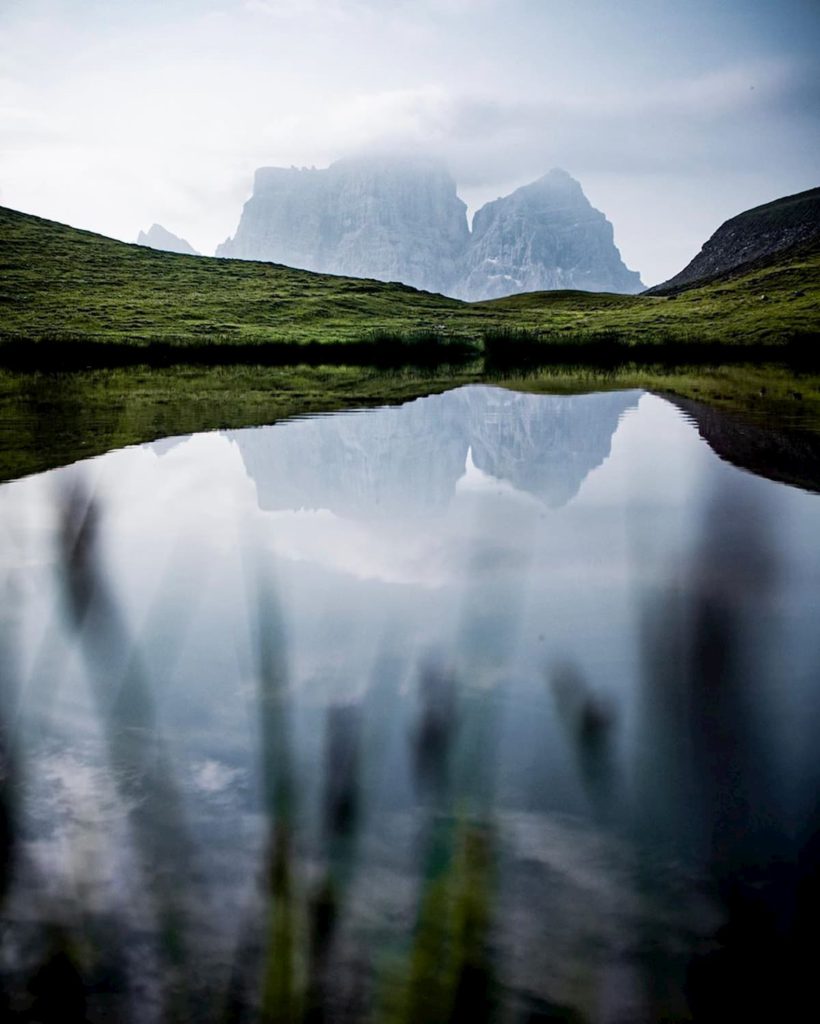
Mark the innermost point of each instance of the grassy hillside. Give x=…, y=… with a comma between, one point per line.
x=59, y=286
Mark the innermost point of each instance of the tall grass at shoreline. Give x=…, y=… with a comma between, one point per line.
x=497, y=349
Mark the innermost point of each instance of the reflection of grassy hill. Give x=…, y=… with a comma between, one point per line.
x=63, y=285
x=49, y=419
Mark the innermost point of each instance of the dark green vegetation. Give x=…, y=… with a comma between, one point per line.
x=49, y=419
x=69, y=297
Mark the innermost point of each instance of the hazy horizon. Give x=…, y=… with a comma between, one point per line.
x=673, y=119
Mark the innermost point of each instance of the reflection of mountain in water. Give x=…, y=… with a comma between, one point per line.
x=543, y=444
x=406, y=460
x=789, y=456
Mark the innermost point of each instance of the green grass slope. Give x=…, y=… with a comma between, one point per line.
x=60, y=285
x=57, y=281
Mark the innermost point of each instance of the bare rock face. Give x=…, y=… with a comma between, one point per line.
x=544, y=236
x=158, y=238
x=384, y=219
x=400, y=220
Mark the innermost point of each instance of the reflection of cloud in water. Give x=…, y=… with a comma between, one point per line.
x=395, y=550
x=213, y=777
x=79, y=851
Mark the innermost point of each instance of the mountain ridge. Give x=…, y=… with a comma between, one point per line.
x=403, y=220
x=365, y=218
x=65, y=290
x=565, y=243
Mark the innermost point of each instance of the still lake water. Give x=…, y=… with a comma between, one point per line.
x=490, y=705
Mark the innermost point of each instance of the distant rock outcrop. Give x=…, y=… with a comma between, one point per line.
x=157, y=237
x=400, y=220
x=751, y=239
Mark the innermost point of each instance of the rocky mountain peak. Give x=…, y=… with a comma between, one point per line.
x=558, y=180
x=379, y=217
x=400, y=219
x=158, y=237
x=542, y=237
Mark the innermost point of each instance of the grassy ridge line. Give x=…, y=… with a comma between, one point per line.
x=63, y=286
x=62, y=283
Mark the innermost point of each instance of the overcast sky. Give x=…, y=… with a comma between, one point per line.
x=673, y=114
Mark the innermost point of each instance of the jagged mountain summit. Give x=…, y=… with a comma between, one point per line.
x=752, y=238
x=381, y=218
x=400, y=220
x=158, y=237
x=543, y=237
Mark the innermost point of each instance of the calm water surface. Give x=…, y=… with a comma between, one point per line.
x=488, y=706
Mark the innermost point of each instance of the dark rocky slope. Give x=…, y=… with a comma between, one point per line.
x=750, y=240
